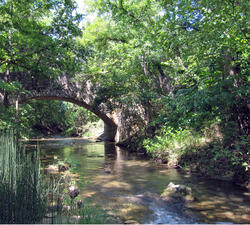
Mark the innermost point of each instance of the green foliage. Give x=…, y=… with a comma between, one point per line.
x=71, y=131
x=38, y=41
x=45, y=118
x=169, y=144
x=20, y=123
x=79, y=120
x=184, y=62
x=38, y=37
x=221, y=161
x=33, y=119
x=202, y=152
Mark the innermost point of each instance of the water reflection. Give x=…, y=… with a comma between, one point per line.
x=129, y=187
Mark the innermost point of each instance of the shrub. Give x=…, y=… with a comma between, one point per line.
x=169, y=144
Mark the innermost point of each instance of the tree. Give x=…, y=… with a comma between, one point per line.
x=184, y=63
x=38, y=38
x=148, y=49
x=38, y=41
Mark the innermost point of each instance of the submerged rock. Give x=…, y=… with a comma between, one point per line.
x=178, y=191
x=107, y=171
x=131, y=222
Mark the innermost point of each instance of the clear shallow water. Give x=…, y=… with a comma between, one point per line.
x=129, y=188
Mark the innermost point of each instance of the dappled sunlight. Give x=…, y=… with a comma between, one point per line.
x=88, y=194
x=133, y=212
x=144, y=164
x=117, y=185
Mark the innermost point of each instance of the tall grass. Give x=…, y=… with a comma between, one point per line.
x=93, y=215
x=23, y=195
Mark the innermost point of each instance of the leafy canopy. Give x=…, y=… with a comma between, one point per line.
x=38, y=37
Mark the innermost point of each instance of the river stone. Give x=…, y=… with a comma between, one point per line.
x=73, y=191
x=63, y=167
x=177, y=191
x=52, y=168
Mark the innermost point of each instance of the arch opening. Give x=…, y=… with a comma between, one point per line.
x=110, y=127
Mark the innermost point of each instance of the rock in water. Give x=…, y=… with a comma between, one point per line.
x=73, y=192
x=63, y=167
x=178, y=191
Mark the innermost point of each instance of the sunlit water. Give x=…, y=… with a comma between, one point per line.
x=129, y=188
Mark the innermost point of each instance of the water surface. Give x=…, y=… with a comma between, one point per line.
x=129, y=187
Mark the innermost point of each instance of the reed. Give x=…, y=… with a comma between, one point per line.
x=23, y=194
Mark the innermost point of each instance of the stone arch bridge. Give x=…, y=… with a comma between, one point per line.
x=62, y=88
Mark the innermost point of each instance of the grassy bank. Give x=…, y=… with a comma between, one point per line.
x=207, y=152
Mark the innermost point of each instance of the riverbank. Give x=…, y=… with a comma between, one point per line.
x=211, y=157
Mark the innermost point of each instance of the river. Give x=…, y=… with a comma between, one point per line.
x=129, y=187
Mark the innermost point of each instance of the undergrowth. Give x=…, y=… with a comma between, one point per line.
x=206, y=152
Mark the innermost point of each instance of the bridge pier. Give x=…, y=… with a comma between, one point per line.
x=109, y=133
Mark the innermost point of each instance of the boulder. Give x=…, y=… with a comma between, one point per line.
x=178, y=191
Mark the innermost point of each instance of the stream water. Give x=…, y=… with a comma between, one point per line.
x=129, y=187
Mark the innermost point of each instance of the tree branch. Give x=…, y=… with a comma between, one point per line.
x=165, y=80
x=125, y=11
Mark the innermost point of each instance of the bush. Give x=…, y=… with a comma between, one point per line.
x=169, y=144
x=207, y=152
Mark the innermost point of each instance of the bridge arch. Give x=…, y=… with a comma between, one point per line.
x=63, y=88
x=110, y=127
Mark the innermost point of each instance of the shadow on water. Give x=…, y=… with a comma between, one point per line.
x=129, y=188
